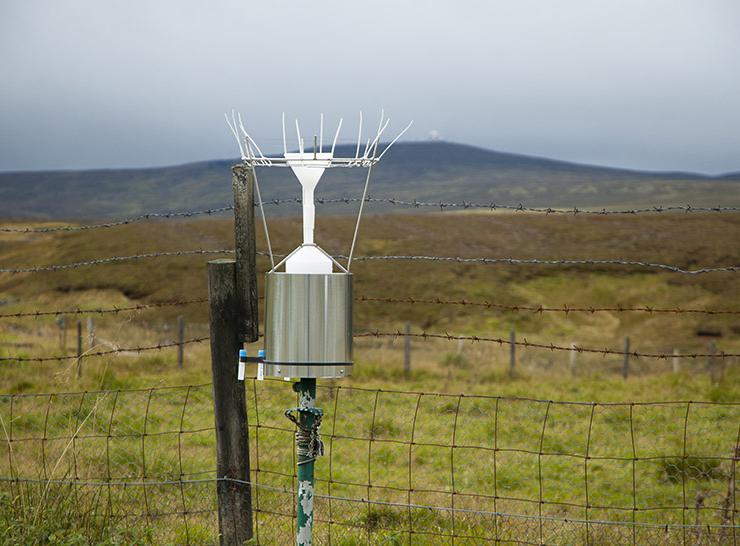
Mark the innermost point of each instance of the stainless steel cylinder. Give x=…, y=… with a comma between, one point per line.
x=308, y=325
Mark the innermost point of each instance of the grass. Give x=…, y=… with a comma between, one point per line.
x=509, y=449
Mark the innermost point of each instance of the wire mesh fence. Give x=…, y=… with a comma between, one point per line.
x=400, y=467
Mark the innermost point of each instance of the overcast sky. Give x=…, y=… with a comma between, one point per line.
x=636, y=83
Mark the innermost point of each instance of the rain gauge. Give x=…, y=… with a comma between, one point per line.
x=308, y=294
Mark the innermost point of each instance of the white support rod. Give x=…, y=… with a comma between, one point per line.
x=262, y=213
x=380, y=126
x=321, y=133
x=236, y=136
x=374, y=145
x=359, y=137
x=359, y=216
x=336, y=136
x=394, y=140
x=300, y=140
x=285, y=143
x=241, y=126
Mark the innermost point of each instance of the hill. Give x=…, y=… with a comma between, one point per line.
x=426, y=171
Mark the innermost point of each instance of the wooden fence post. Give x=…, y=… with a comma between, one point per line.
x=229, y=405
x=180, y=341
x=242, y=182
x=62, y=323
x=79, y=348
x=512, y=353
x=572, y=358
x=90, y=332
x=712, y=363
x=626, y=362
x=407, y=350
x=676, y=361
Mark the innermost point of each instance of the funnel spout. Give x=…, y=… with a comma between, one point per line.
x=309, y=213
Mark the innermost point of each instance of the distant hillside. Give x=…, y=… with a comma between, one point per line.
x=426, y=171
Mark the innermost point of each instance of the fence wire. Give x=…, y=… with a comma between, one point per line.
x=408, y=300
x=721, y=355
x=401, y=467
x=441, y=205
x=416, y=258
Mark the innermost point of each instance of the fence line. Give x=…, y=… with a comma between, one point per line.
x=155, y=483
x=540, y=261
x=454, y=259
x=90, y=354
x=398, y=334
x=398, y=464
x=115, y=259
x=442, y=205
x=115, y=223
x=547, y=346
x=102, y=310
x=565, y=309
x=371, y=390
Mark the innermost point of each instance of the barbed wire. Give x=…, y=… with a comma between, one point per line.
x=89, y=354
x=398, y=334
x=114, y=259
x=545, y=210
x=102, y=310
x=566, y=308
x=547, y=346
x=442, y=205
x=115, y=223
x=452, y=259
x=540, y=261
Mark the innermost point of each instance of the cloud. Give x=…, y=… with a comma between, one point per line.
x=647, y=85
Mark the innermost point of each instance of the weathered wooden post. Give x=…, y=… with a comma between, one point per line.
x=79, y=348
x=626, y=362
x=676, y=361
x=229, y=405
x=407, y=350
x=242, y=183
x=90, y=332
x=180, y=341
x=572, y=358
x=712, y=363
x=512, y=353
x=62, y=323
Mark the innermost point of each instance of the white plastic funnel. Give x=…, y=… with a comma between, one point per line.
x=308, y=168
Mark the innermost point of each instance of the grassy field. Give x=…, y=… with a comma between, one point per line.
x=507, y=446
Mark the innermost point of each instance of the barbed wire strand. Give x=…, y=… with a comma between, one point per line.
x=102, y=310
x=566, y=308
x=398, y=334
x=118, y=350
x=442, y=205
x=114, y=259
x=546, y=346
x=115, y=223
x=540, y=261
x=539, y=308
x=451, y=259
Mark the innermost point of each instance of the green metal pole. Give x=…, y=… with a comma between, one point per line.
x=309, y=447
